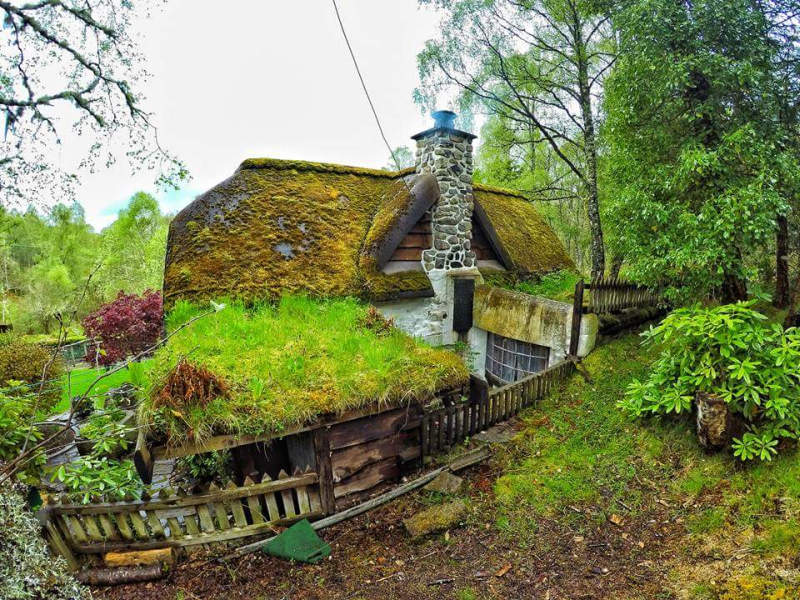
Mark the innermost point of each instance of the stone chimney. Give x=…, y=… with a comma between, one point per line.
x=446, y=153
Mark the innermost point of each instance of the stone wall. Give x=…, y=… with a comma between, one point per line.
x=447, y=155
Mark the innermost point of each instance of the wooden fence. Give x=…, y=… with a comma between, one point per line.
x=611, y=294
x=174, y=519
x=446, y=426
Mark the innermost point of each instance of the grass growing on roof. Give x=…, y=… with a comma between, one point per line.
x=284, y=364
x=559, y=285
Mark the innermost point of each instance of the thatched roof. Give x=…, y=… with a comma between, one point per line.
x=278, y=227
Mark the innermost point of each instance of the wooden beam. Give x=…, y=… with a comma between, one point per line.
x=577, y=314
x=322, y=450
x=143, y=459
x=140, y=557
x=222, y=442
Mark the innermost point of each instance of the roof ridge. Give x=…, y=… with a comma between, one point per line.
x=318, y=167
x=482, y=187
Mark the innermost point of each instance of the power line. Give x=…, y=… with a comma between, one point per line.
x=364, y=85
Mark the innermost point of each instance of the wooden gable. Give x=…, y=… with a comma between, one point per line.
x=408, y=254
x=485, y=253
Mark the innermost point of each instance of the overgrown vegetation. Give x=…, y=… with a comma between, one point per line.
x=28, y=570
x=22, y=366
x=559, y=285
x=732, y=352
x=17, y=427
x=285, y=363
x=579, y=460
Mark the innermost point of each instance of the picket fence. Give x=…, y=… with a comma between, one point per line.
x=444, y=427
x=175, y=519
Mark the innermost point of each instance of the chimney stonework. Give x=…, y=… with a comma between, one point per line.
x=446, y=153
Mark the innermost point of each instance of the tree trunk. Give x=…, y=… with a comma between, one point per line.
x=782, y=295
x=734, y=289
x=597, y=248
x=616, y=265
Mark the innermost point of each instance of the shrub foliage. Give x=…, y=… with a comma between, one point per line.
x=27, y=569
x=124, y=327
x=23, y=362
x=732, y=352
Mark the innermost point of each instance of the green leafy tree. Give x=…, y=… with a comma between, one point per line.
x=702, y=133
x=401, y=158
x=506, y=158
x=46, y=264
x=539, y=64
x=133, y=248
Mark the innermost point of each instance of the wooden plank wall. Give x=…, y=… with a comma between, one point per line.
x=174, y=519
x=368, y=451
x=408, y=254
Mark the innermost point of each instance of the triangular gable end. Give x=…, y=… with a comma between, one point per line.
x=408, y=254
x=399, y=230
x=484, y=251
x=486, y=243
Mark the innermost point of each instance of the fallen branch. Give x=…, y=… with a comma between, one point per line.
x=462, y=462
x=100, y=576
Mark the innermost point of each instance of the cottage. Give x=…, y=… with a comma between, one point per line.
x=424, y=245
x=318, y=399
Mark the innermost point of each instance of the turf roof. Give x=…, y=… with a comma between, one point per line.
x=283, y=364
x=277, y=227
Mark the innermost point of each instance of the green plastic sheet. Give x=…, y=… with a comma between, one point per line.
x=300, y=542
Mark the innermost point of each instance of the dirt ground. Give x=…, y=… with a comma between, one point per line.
x=373, y=557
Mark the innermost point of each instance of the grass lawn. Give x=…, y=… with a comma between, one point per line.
x=77, y=381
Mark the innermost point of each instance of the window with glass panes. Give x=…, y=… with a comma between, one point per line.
x=511, y=360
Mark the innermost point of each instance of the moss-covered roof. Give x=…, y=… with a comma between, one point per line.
x=530, y=243
x=279, y=226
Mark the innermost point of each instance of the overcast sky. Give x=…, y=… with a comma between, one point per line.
x=271, y=79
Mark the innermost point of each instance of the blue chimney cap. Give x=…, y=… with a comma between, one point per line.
x=443, y=119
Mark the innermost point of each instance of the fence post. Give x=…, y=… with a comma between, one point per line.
x=322, y=449
x=577, y=313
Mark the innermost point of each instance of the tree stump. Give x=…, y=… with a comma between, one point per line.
x=715, y=424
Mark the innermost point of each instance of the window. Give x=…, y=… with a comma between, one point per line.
x=510, y=360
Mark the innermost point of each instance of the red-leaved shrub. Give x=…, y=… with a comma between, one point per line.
x=126, y=326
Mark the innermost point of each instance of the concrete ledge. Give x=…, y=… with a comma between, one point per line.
x=532, y=319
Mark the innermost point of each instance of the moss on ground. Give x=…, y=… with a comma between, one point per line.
x=285, y=364
x=578, y=451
